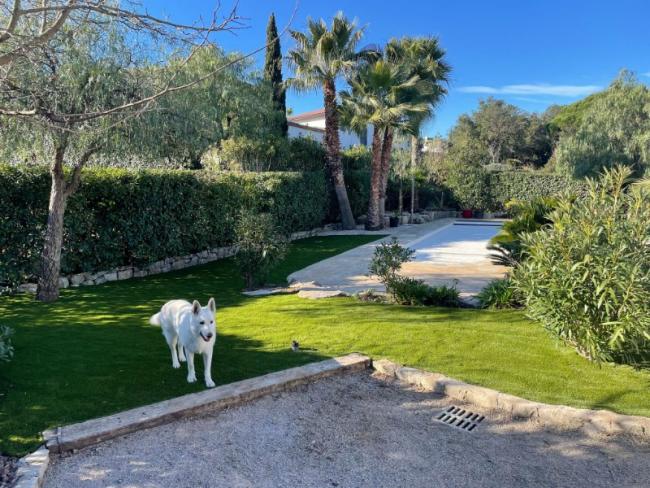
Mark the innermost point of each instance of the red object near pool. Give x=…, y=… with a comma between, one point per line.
x=467, y=214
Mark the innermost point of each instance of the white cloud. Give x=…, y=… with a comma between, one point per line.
x=647, y=74
x=534, y=89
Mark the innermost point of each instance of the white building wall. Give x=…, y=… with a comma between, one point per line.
x=309, y=134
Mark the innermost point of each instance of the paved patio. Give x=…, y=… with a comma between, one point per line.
x=348, y=272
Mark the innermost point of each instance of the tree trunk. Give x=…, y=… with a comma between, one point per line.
x=48, y=281
x=400, y=199
x=373, y=222
x=333, y=147
x=386, y=146
x=415, y=156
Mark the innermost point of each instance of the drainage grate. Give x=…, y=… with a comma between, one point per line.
x=460, y=418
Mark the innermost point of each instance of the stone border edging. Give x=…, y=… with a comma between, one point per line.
x=590, y=421
x=83, y=434
x=31, y=469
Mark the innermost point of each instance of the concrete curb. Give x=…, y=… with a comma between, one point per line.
x=84, y=434
x=590, y=421
x=31, y=469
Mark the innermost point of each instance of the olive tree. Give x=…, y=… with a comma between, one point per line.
x=73, y=75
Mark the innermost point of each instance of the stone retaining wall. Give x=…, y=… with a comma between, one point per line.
x=163, y=266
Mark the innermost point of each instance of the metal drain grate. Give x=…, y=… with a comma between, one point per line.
x=460, y=418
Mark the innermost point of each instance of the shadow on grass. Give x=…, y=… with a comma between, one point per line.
x=65, y=374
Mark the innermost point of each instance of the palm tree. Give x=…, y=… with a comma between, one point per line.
x=320, y=57
x=421, y=56
x=384, y=95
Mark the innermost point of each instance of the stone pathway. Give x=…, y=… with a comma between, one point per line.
x=348, y=272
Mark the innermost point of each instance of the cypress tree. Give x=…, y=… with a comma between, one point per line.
x=273, y=74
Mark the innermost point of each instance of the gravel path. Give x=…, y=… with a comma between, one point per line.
x=7, y=471
x=352, y=431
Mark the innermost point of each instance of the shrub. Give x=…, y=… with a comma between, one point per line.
x=305, y=155
x=587, y=275
x=356, y=158
x=260, y=246
x=499, y=294
x=6, y=349
x=526, y=186
x=122, y=217
x=470, y=186
x=247, y=154
x=387, y=260
x=410, y=291
x=506, y=246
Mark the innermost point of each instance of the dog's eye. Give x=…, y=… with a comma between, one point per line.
x=202, y=322
x=212, y=321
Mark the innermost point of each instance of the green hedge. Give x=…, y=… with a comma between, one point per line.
x=477, y=189
x=123, y=217
x=520, y=185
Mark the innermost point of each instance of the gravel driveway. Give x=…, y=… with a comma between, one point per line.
x=352, y=431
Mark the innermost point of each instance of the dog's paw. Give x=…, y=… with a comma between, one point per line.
x=210, y=383
x=176, y=365
x=191, y=378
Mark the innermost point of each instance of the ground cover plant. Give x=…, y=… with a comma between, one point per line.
x=93, y=353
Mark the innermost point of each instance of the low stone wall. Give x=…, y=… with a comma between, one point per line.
x=181, y=262
x=163, y=266
x=591, y=422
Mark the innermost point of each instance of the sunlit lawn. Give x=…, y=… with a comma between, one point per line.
x=93, y=352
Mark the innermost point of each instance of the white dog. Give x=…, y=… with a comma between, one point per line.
x=192, y=329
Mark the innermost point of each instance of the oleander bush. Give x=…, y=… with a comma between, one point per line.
x=586, y=276
x=125, y=217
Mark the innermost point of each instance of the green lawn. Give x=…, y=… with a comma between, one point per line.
x=93, y=353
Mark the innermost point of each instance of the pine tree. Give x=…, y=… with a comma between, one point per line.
x=273, y=74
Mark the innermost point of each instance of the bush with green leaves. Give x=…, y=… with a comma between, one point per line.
x=125, y=217
x=499, y=294
x=387, y=261
x=260, y=246
x=6, y=349
x=411, y=291
x=506, y=246
x=356, y=158
x=586, y=277
x=305, y=155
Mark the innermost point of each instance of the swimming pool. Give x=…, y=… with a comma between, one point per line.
x=463, y=241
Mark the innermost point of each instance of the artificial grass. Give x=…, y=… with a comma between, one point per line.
x=92, y=352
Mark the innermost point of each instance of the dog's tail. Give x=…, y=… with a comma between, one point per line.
x=155, y=319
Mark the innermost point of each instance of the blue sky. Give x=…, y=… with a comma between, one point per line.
x=532, y=53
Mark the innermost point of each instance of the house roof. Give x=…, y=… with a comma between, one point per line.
x=305, y=127
x=307, y=115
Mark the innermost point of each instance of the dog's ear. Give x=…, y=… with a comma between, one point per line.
x=211, y=305
x=196, y=307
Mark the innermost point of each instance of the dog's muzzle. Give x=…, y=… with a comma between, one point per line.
x=206, y=337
